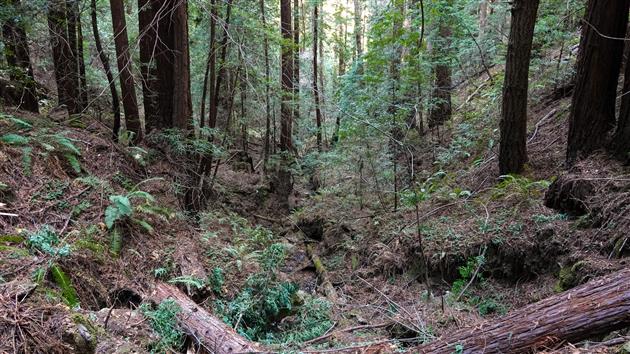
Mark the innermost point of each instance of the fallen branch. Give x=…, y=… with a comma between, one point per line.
x=208, y=331
x=597, y=307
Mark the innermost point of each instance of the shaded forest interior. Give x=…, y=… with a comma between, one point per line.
x=314, y=176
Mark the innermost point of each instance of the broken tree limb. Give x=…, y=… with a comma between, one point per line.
x=208, y=331
x=599, y=306
x=329, y=289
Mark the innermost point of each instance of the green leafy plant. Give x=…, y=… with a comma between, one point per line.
x=163, y=320
x=467, y=272
x=130, y=209
x=46, y=240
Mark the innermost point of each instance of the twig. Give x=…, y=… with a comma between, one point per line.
x=349, y=329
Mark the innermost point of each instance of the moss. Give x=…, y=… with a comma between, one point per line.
x=15, y=252
x=569, y=276
x=14, y=239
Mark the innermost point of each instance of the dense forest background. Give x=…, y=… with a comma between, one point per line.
x=432, y=176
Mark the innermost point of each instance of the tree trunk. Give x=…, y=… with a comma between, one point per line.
x=123, y=59
x=108, y=72
x=597, y=307
x=358, y=29
x=150, y=50
x=209, y=332
x=66, y=70
x=18, y=57
x=165, y=60
x=72, y=8
x=81, y=62
x=214, y=102
x=441, y=109
x=210, y=74
x=318, y=112
x=267, y=84
x=281, y=183
x=599, y=60
x=296, y=63
x=513, y=147
x=621, y=142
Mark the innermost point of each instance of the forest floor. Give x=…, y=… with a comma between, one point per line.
x=492, y=245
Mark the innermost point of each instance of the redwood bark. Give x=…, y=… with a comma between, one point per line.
x=66, y=68
x=513, y=146
x=18, y=57
x=599, y=61
x=208, y=331
x=286, y=81
x=267, y=145
x=123, y=59
x=108, y=72
x=621, y=142
x=441, y=109
x=296, y=63
x=318, y=111
x=599, y=306
x=165, y=60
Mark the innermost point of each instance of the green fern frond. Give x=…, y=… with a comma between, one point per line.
x=68, y=292
x=14, y=139
x=115, y=244
x=74, y=162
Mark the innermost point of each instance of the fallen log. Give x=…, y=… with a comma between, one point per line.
x=209, y=332
x=329, y=289
x=597, y=307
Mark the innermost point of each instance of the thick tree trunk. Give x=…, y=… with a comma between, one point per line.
x=66, y=69
x=150, y=49
x=286, y=81
x=441, y=109
x=598, y=64
x=18, y=57
x=318, y=111
x=123, y=59
x=513, y=147
x=165, y=60
x=621, y=142
x=597, y=307
x=209, y=332
x=108, y=72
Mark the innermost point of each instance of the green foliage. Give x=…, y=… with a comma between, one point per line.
x=466, y=272
x=46, y=240
x=216, y=280
x=189, y=281
x=163, y=320
x=520, y=186
x=68, y=293
x=130, y=209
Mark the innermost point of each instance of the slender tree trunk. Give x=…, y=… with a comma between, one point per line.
x=66, y=70
x=108, y=72
x=296, y=63
x=123, y=59
x=210, y=74
x=320, y=67
x=318, y=112
x=85, y=100
x=267, y=142
x=18, y=57
x=214, y=103
x=599, y=60
x=281, y=183
x=513, y=147
x=72, y=8
x=441, y=109
x=358, y=29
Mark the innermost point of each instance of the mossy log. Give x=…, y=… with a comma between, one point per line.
x=329, y=289
x=599, y=306
x=209, y=332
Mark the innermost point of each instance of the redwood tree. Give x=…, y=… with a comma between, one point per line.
x=165, y=63
x=18, y=57
x=62, y=29
x=513, y=149
x=123, y=59
x=108, y=72
x=441, y=109
x=318, y=111
x=598, y=64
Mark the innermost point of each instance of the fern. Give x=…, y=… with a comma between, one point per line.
x=74, y=162
x=115, y=243
x=14, y=139
x=68, y=293
x=27, y=160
